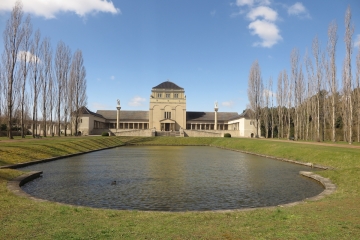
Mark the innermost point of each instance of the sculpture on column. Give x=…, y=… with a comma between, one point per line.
x=118, y=115
x=216, y=108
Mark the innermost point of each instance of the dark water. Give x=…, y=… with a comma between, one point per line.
x=171, y=179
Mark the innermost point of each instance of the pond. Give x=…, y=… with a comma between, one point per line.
x=171, y=178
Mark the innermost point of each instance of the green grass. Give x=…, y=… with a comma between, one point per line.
x=335, y=217
x=18, y=151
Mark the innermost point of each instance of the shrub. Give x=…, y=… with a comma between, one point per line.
x=227, y=135
x=105, y=134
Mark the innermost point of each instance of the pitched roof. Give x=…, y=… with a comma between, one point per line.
x=125, y=115
x=210, y=116
x=167, y=85
x=84, y=110
x=245, y=114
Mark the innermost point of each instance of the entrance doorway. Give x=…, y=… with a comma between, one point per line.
x=167, y=127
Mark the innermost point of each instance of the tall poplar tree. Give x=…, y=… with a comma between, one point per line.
x=255, y=92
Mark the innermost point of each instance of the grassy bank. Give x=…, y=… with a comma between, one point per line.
x=26, y=150
x=335, y=217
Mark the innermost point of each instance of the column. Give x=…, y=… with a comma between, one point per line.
x=118, y=114
x=216, y=111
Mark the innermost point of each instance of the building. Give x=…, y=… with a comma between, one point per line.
x=167, y=116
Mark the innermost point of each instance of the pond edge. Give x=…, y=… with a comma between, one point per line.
x=15, y=184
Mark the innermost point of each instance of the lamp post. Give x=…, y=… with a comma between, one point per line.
x=118, y=114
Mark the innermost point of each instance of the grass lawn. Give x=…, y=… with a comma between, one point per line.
x=335, y=217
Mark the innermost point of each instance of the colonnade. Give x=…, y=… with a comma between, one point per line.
x=135, y=125
x=206, y=126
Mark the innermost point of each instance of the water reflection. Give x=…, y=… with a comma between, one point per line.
x=171, y=179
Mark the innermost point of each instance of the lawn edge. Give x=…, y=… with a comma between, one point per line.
x=15, y=184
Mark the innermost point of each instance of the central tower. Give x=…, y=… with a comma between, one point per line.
x=167, y=107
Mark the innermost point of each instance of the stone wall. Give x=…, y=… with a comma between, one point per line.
x=132, y=132
x=150, y=132
x=210, y=133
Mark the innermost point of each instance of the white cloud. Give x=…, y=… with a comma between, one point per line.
x=137, y=101
x=262, y=21
x=298, y=9
x=357, y=41
x=99, y=106
x=112, y=77
x=228, y=104
x=49, y=9
x=29, y=57
x=213, y=13
x=264, y=2
x=251, y=2
x=265, y=12
x=244, y=2
x=267, y=31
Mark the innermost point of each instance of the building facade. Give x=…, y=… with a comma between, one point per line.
x=167, y=116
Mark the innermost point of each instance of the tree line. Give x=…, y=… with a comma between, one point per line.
x=311, y=103
x=36, y=85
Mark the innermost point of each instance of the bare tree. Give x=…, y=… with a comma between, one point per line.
x=317, y=82
x=294, y=58
x=332, y=81
x=300, y=92
x=62, y=64
x=344, y=104
x=347, y=83
x=255, y=92
x=52, y=97
x=265, y=109
x=46, y=54
x=311, y=110
x=1, y=92
x=357, y=92
x=288, y=86
x=13, y=37
x=78, y=83
x=35, y=76
x=280, y=103
x=272, y=107
x=25, y=59
x=323, y=96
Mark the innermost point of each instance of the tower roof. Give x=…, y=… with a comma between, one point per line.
x=167, y=85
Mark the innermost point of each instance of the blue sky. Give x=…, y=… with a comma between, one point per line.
x=206, y=47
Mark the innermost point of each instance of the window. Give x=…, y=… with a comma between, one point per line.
x=176, y=95
x=159, y=95
x=167, y=95
x=167, y=115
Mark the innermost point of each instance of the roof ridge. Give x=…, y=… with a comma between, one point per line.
x=167, y=85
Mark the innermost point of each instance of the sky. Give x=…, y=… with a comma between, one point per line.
x=206, y=47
